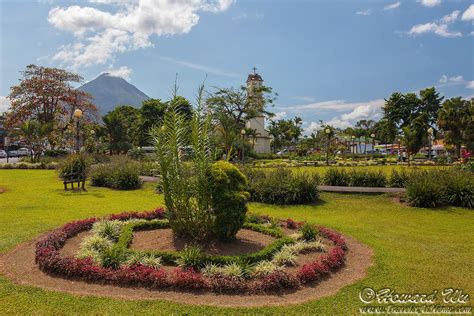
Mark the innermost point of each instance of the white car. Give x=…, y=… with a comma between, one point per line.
x=23, y=152
x=3, y=153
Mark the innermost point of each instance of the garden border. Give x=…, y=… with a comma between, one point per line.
x=49, y=260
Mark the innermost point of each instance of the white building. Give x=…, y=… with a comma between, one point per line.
x=260, y=138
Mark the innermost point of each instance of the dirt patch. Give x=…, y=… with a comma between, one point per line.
x=247, y=241
x=2, y=190
x=73, y=244
x=19, y=266
x=400, y=199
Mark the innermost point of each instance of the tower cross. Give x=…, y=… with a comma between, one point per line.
x=254, y=70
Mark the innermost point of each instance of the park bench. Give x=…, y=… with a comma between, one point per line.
x=72, y=178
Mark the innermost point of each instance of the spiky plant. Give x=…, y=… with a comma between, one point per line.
x=186, y=188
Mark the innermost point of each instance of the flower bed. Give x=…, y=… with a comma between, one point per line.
x=49, y=260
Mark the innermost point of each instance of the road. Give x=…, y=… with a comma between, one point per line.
x=10, y=160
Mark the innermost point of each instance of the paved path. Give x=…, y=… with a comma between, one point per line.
x=149, y=179
x=329, y=188
x=324, y=188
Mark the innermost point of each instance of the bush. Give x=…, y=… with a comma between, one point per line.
x=354, y=177
x=337, y=177
x=399, y=179
x=136, y=153
x=229, y=199
x=426, y=190
x=119, y=174
x=460, y=189
x=435, y=188
x=309, y=232
x=190, y=257
x=73, y=164
x=367, y=178
x=282, y=187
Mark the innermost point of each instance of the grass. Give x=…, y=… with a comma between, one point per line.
x=415, y=249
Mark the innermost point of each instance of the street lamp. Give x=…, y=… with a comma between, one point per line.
x=77, y=114
x=328, y=132
x=430, y=139
x=399, y=153
x=242, y=132
x=373, y=144
x=353, y=145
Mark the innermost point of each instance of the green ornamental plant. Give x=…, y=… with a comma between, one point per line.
x=229, y=199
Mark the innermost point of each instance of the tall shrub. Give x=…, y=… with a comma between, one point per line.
x=229, y=199
x=186, y=187
x=282, y=186
x=367, y=178
x=337, y=177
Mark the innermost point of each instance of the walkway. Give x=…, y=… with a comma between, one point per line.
x=329, y=188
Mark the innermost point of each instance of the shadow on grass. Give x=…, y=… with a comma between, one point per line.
x=77, y=192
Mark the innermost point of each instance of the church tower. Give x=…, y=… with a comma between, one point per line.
x=260, y=138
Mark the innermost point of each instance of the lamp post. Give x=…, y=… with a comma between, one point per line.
x=373, y=144
x=353, y=149
x=328, y=132
x=399, y=153
x=430, y=139
x=78, y=115
x=242, y=132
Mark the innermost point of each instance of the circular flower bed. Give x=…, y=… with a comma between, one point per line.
x=105, y=256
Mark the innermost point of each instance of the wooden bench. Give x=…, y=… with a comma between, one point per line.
x=72, y=178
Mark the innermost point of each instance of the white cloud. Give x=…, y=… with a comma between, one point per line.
x=122, y=72
x=372, y=110
x=468, y=14
x=129, y=25
x=364, y=12
x=449, y=18
x=392, y=6
x=206, y=69
x=443, y=79
x=456, y=79
x=470, y=84
x=279, y=116
x=304, y=98
x=335, y=105
x=429, y=3
x=4, y=104
x=438, y=29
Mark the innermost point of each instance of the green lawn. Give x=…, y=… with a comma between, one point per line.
x=415, y=249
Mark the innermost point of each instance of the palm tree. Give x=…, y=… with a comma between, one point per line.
x=450, y=119
x=409, y=140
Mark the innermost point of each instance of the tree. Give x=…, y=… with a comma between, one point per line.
x=232, y=108
x=456, y=119
x=35, y=133
x=409, y=110
x=151, y=114
x=46, y=95
x=366, y=128
x=285, y=132
x=409, y=140
x=122, y=128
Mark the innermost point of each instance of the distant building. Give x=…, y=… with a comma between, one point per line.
x=260, y=138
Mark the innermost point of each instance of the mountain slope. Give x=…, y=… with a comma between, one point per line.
x=109, y=91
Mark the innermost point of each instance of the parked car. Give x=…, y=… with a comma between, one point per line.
x=23, y=152
x=12, y=153
x=3, y=153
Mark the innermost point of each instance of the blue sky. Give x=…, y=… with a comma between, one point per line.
x=331, y=60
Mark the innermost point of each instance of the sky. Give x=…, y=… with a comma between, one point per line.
x=330, y=60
